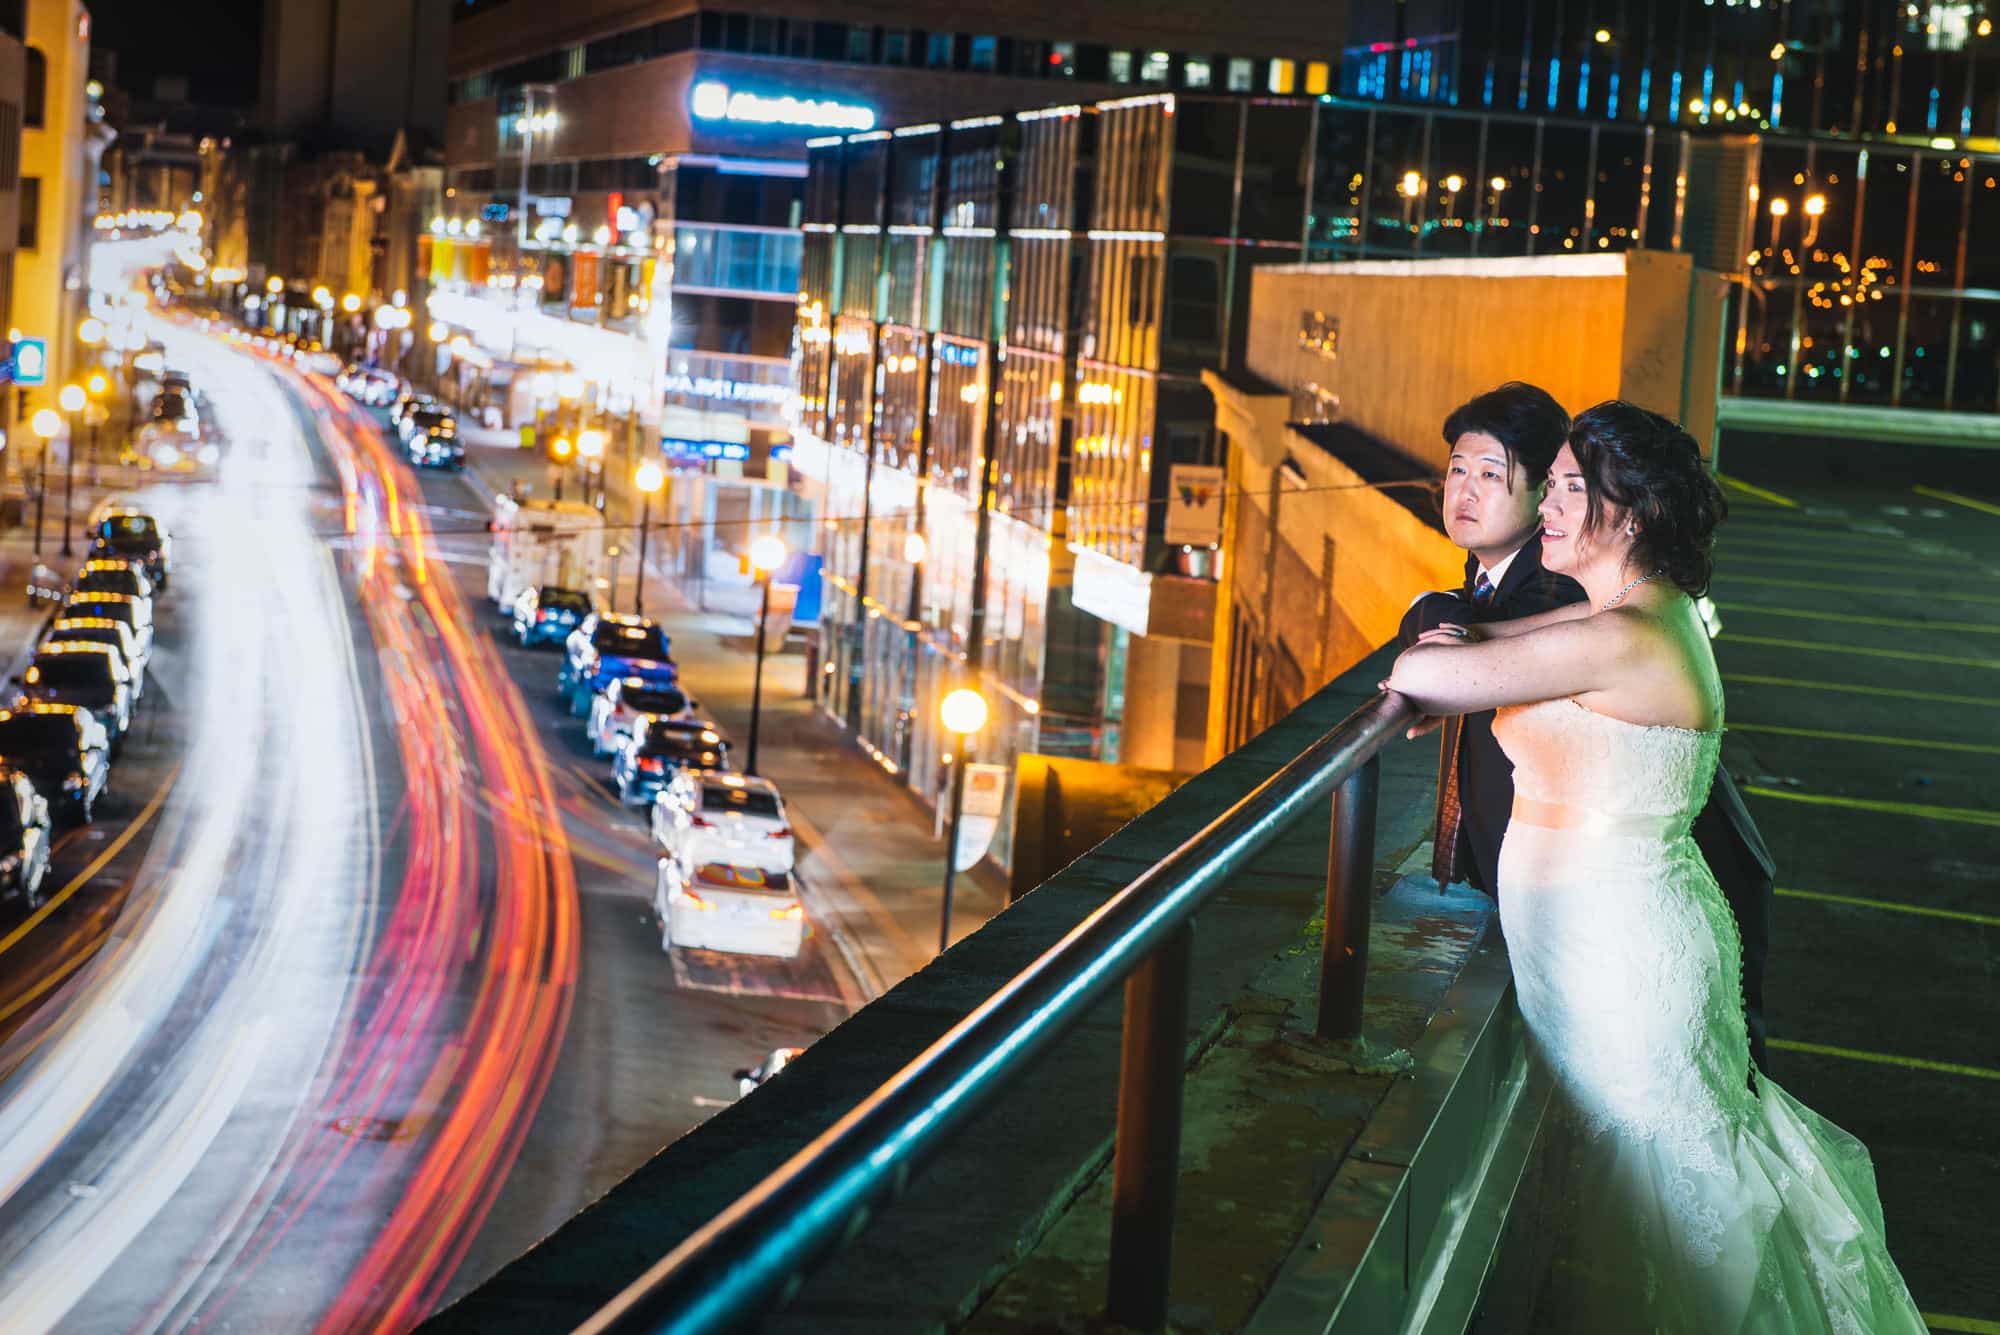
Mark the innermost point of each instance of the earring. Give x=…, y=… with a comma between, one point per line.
x=1631, y=532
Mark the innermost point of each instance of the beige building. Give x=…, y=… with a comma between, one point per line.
x=63, y=137
x=1332, y=523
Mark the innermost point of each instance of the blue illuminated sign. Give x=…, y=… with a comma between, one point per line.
x=713, y=100
x=31, y=361
x=958, y=354
x=704, y=449
x=495, y=213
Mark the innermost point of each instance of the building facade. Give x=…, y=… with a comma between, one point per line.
x=367, y=69
x=62, y=141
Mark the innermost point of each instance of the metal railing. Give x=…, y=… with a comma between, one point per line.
x=759, y=1250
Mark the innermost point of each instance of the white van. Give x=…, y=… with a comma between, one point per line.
x=543, y=542
x=717, y=906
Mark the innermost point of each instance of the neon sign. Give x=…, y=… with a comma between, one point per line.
x=715, y=101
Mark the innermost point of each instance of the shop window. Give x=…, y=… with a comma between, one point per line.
x=1195, y=72
x=1121, y=67
x=1242, y=75
x=1156, y=67
x=984, y=50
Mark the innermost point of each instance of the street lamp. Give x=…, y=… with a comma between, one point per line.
x=559, y=453
x=649, y=477
x=99, y=385
x=590, y=449
x=1815, y=207
x=72, y=401
x=766, y=555
x=90, y=333
x=47, y=423
x=964, y=714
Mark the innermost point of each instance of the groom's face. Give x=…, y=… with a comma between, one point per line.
x=1489, y=502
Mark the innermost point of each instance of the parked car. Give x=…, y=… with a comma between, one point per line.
x=136, y=613
x=749, y=1077
x=103, y=630
x=77, y=672
x=114, y=575
x=742, y=910
x=608, y=645
x=371, y=386
x=24, y=837
x=63, y=749
x=710, y=816
x=134, y=536
x=430, y=436
x=626, y=704
x=547, y=613
x=643, y=764
x=406, y=400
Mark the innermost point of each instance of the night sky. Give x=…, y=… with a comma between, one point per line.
x=213, y=43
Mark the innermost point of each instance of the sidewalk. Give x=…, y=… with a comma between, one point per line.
x=869, y=856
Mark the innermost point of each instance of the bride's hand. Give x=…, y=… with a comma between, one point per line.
x=1448, y=632
x=1429, y=723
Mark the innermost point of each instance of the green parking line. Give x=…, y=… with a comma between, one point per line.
x=1869, y=738
x=1961, y=1325
x=1907, y=655
x=1958, y=815
x=1886, y=1059
x=1856, y=901
x=1848, y=619
x=1857, y=688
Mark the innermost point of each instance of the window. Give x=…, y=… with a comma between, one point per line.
x=1316, y=77
x=1194, y=300
x=1155, y=68
x=798, y=39
x=1195, y=72
x=895, y=46
x=736, y=32
x=34, y=88
x=572, y=62
x=1121, y=67
x=1242, y=75
x=31, y=210
x=1283, y=75
x=984, y=50
x=1140, y=271
x=1062, y=60
x=766, y=36
x=937, y=51
x=861, y=44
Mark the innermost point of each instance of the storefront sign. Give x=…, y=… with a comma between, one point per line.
x=730, y=391
x=716, y=101
x=495, y=213
x=31, y=361
x=1111, y=590
x=985, y=795
x=1194, y=505
x=678, y=448
x=552, y=206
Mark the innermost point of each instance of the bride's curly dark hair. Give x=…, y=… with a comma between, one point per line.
x=1652, y=472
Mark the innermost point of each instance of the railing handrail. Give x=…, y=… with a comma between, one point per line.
x=767, y=1240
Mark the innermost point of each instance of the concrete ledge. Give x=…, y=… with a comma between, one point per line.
x=984, y=1203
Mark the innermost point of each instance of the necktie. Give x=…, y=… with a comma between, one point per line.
x=1482, y=591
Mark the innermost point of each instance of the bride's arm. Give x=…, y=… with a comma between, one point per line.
x=1555, y=616
x=1566, y=656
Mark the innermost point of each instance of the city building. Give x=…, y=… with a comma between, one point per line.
x=63, y=138
x=357, y=71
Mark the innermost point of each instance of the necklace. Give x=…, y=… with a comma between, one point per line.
x=1619, y=597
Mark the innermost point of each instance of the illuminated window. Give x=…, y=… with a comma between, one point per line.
x=1284, y=74
x=1242, y=75
x=937, y=51
x=861, y=43
x=1195, y=73
x=984, y=52
x=1155, y=68
x=1062, y=60
x=1121, y=67
x=1316, y=77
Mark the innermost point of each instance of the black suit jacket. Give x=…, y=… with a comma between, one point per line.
x=1725, y=833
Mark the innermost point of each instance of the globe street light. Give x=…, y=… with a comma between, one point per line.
x=560, y=451
x=47, y=423
x=72, y=401
x=590, y=449
x=766, y=555
x=99, y=385
x=964, y=714
x=649, y=477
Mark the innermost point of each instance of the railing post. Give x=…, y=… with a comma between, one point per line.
x=1151, y=1071
x=1350, y=884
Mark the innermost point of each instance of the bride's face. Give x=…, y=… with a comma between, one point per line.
x=1569, y=544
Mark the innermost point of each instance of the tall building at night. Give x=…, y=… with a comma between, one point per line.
x=63, y=137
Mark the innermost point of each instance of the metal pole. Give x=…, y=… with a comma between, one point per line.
x=93, y=451
x=1350, y=883
x=639, y=582
x=757, y=682
x=1152, y=1068
x=41, y=491
x=69, y=490
x=951, y=843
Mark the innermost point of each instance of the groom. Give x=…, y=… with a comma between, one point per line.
x=1502, y=444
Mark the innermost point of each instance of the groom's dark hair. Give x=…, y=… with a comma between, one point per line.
x=1527, y=421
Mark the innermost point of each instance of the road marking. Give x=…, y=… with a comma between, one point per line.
x=1960, y=1325
x=1856, y=901
x=1846, y=619
x=1872, y=739
x=1959, y=815
x=1941, y=567
x=1907, y=655
x=1886, y=1059
x=96, y=864
x=1884, y=590
x=1856, y=688
x=55, y=976
x=1759, y=492
x=1970, y=503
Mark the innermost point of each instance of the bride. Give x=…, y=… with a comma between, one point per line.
x=1692, y=1195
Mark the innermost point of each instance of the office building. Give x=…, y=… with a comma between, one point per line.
x=359, y=72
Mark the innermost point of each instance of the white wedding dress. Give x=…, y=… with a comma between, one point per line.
x=1675, y=1200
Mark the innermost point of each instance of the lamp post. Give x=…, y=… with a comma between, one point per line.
x=766, y=555
x=964, y=714
x=648, y=478
x=559, y=452
x=47, y=424
x=72, y=400
x=98, y=385
x=590, y=449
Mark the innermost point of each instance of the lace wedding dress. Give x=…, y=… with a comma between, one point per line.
x=1676, y=1199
